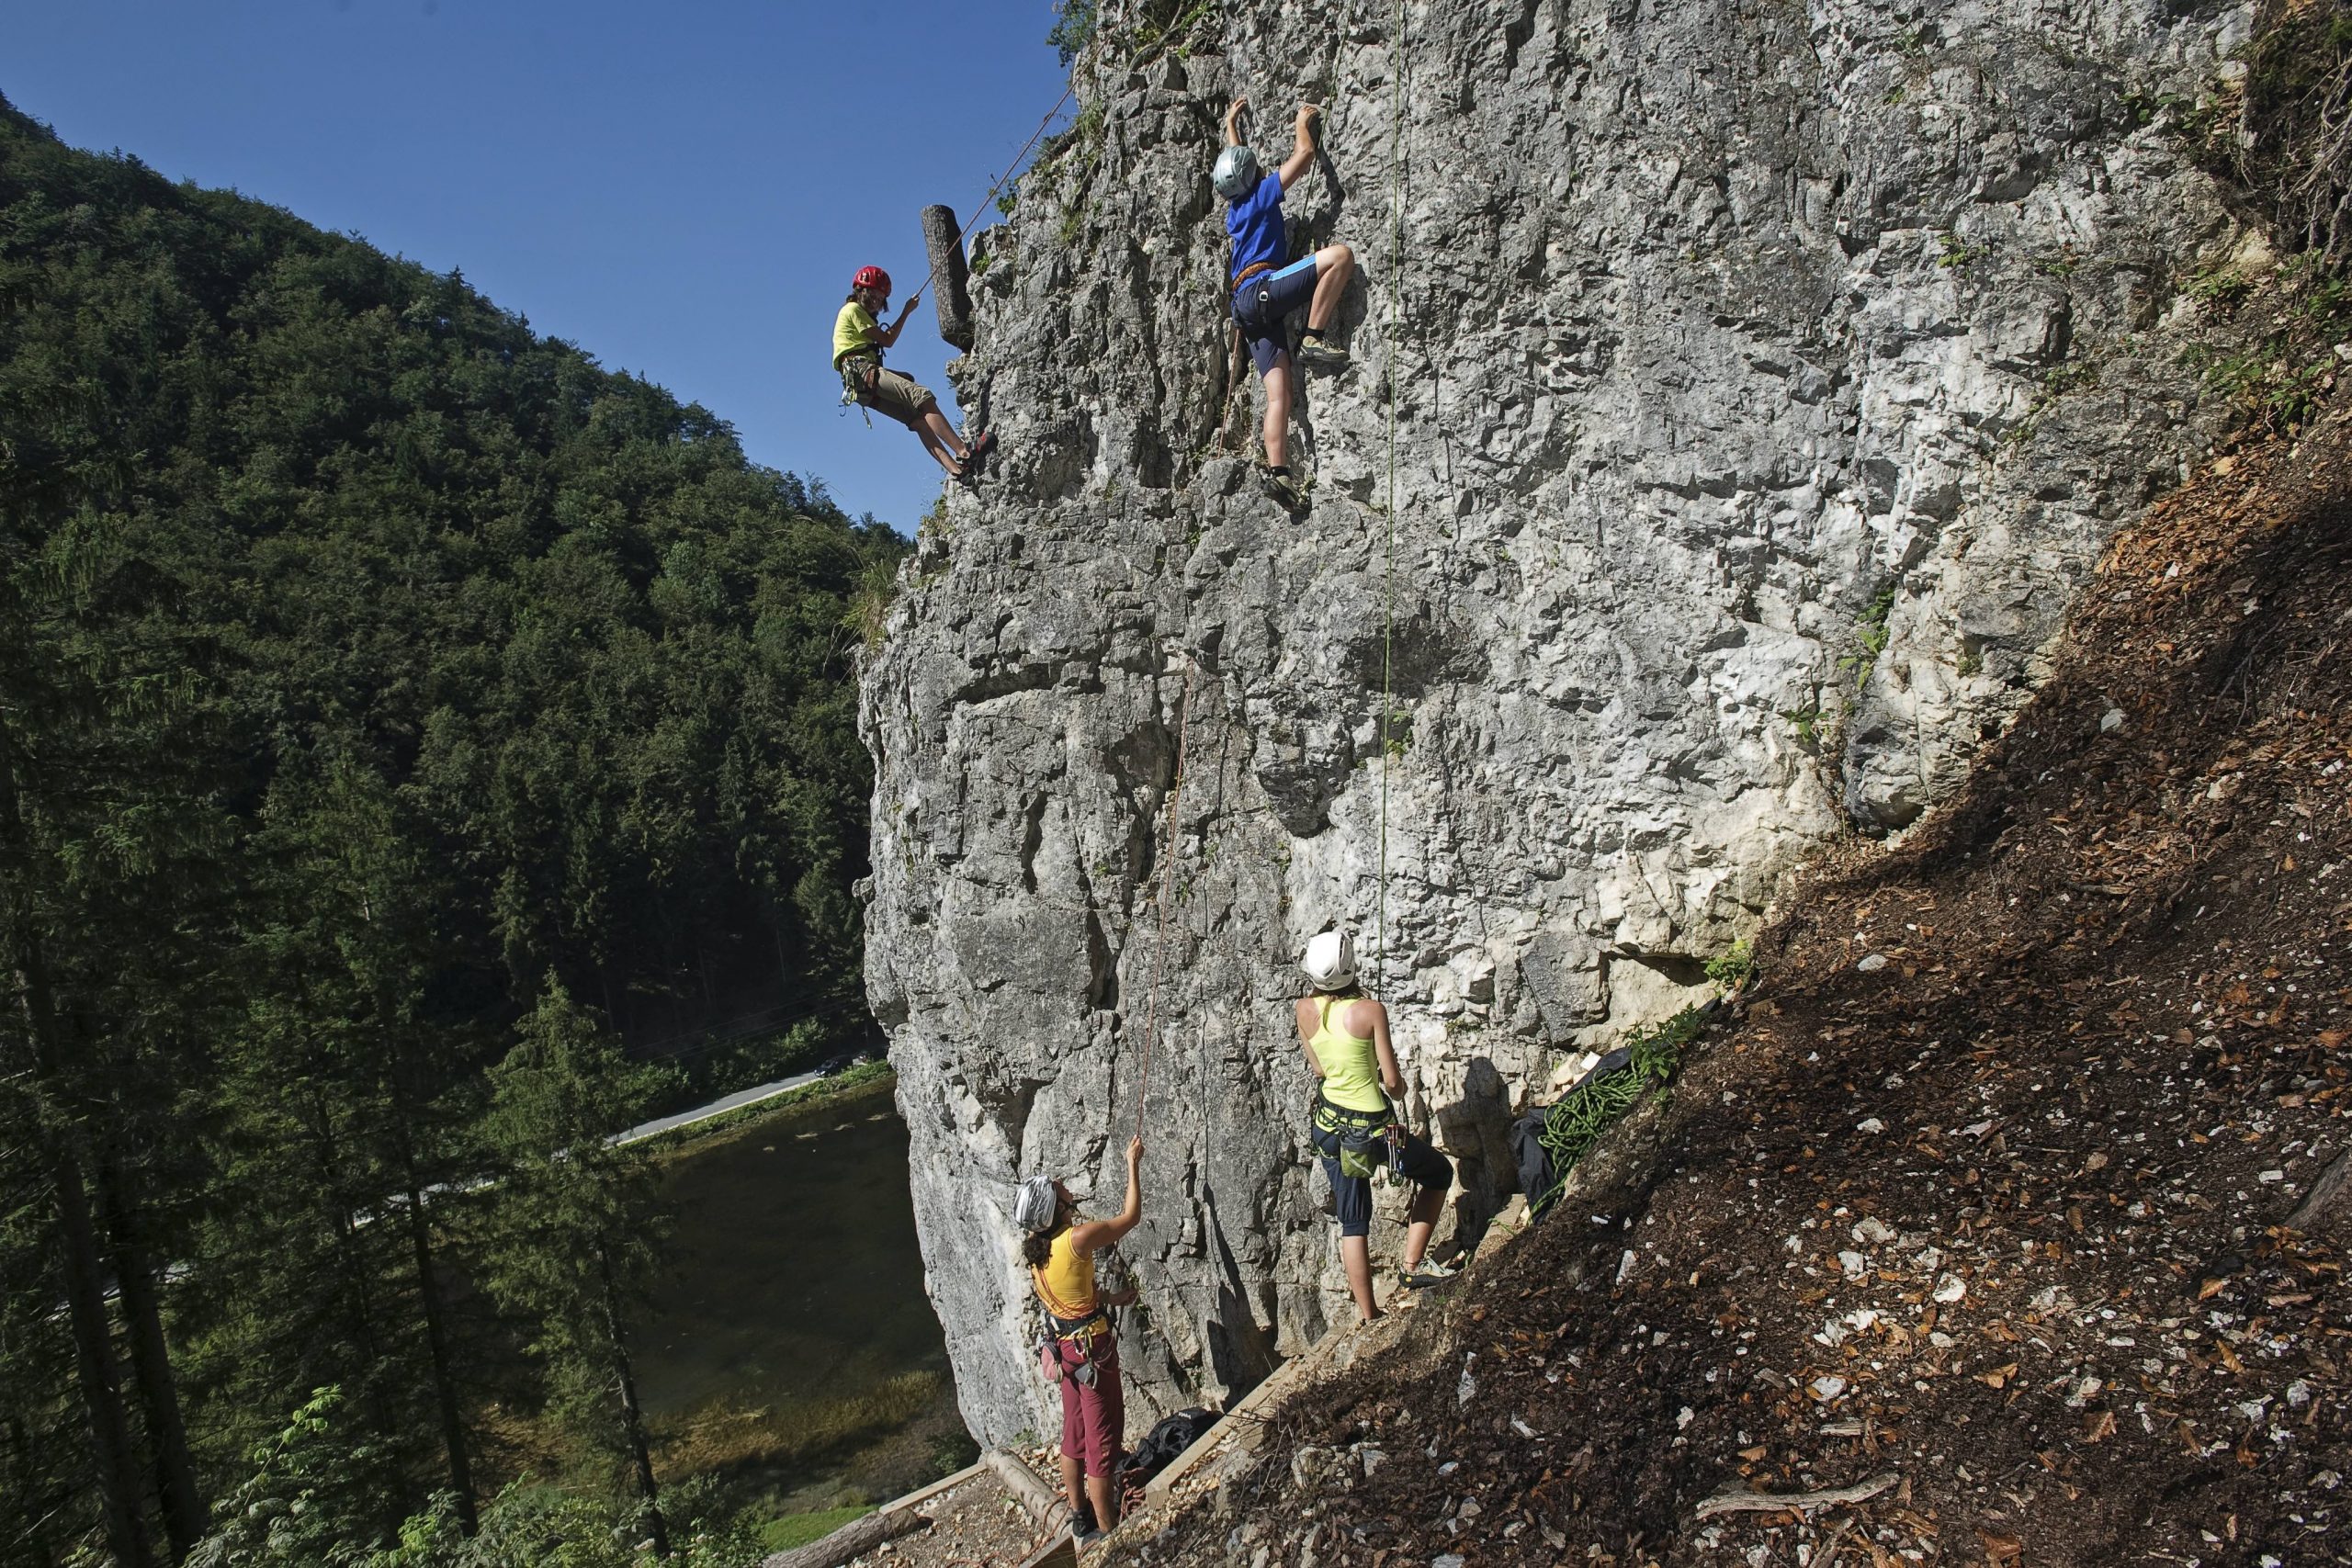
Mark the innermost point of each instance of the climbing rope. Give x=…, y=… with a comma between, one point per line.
x=1166, y=887
x=1388, y=349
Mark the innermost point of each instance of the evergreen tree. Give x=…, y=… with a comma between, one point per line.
x=575, y=1243
x=363, y=658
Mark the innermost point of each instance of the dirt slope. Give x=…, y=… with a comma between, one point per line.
x=1984, y=1186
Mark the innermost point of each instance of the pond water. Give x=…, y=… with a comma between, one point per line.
x=791, y=1341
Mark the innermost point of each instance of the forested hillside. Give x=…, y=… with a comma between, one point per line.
x=375, y=675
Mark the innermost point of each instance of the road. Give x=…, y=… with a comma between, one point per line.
x=719, y=1107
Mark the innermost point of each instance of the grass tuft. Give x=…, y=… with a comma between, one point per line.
x=799, y=1530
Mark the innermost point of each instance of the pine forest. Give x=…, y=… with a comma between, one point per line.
x=418, y=746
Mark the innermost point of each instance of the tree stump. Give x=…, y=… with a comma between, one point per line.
x=951, y=293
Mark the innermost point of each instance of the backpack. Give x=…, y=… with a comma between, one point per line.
x=1167, y=1438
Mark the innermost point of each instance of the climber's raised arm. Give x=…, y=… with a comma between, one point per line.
x=1233, y=121
x=1302, y=152
x=1096, y=1235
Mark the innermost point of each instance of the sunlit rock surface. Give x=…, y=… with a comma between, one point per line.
x=1765, y=378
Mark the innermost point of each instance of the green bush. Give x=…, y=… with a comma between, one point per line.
x=1073, y=29
x=1733, y=968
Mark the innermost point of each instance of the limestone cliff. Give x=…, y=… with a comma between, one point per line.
x=1761, y=379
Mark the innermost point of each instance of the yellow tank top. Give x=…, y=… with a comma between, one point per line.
x=1351, y=1067
x=1065, y=1284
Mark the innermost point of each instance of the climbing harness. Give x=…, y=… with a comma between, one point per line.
x=1350, y=1136
x=855, y=369
x=1079, y=1328
x=1069, y=1322
x=1250, y=311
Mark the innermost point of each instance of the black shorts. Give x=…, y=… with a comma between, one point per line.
x=1352, y=1194
x=1261, y=326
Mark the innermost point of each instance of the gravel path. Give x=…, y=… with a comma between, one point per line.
x=976, y=1525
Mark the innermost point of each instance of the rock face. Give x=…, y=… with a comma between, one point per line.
x=1740, y=390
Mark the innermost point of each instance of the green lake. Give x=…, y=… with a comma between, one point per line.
x=791, y=1345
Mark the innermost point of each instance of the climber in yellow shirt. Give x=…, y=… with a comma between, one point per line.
x=1345, y=1035
x=1081, y=1349
x=859, y=338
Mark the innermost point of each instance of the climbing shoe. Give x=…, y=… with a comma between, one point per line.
x=1428, y=1271
x=1320, y=354
x=1278, y=483
x=977, y=451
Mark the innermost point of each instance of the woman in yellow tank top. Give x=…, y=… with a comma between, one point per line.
x=1083, y=1351
x=1345, y=1035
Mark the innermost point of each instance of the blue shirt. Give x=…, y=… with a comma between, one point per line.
x=1256, y=224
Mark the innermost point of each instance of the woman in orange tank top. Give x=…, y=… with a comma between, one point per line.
x=1059, y=1249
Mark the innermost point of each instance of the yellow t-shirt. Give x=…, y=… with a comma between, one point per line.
x=854, y=329
x=1350, y=1066
x=1065, y=1284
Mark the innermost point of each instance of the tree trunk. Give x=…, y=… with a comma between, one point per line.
x=353, y=1285
x=445, y=1389
x=184, y=1514
x=854, y=1539
x=632, y=1418
x=951, y=293
x=111, y=1452
x=94, y=1357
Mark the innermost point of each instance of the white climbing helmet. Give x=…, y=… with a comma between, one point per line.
x=1236, y=173
x=1330, y=961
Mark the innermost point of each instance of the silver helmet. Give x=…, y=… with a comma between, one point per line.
x=1037, y=1203
x=1236, y=173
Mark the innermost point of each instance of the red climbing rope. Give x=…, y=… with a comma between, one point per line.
x=1167, y=886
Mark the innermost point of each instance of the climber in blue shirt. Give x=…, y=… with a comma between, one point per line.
x=1265, y=291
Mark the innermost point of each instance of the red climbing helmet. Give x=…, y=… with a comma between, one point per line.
x=872, y=277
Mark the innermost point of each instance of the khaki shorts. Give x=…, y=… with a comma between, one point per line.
x=892, y=393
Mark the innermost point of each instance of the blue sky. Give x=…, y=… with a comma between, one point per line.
x=680, y=189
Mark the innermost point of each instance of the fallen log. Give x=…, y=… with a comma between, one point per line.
x=853, y=1540
x=1802, y=1501
x=1032, y=1494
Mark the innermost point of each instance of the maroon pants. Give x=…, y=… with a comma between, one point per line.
x=1093, y=1419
